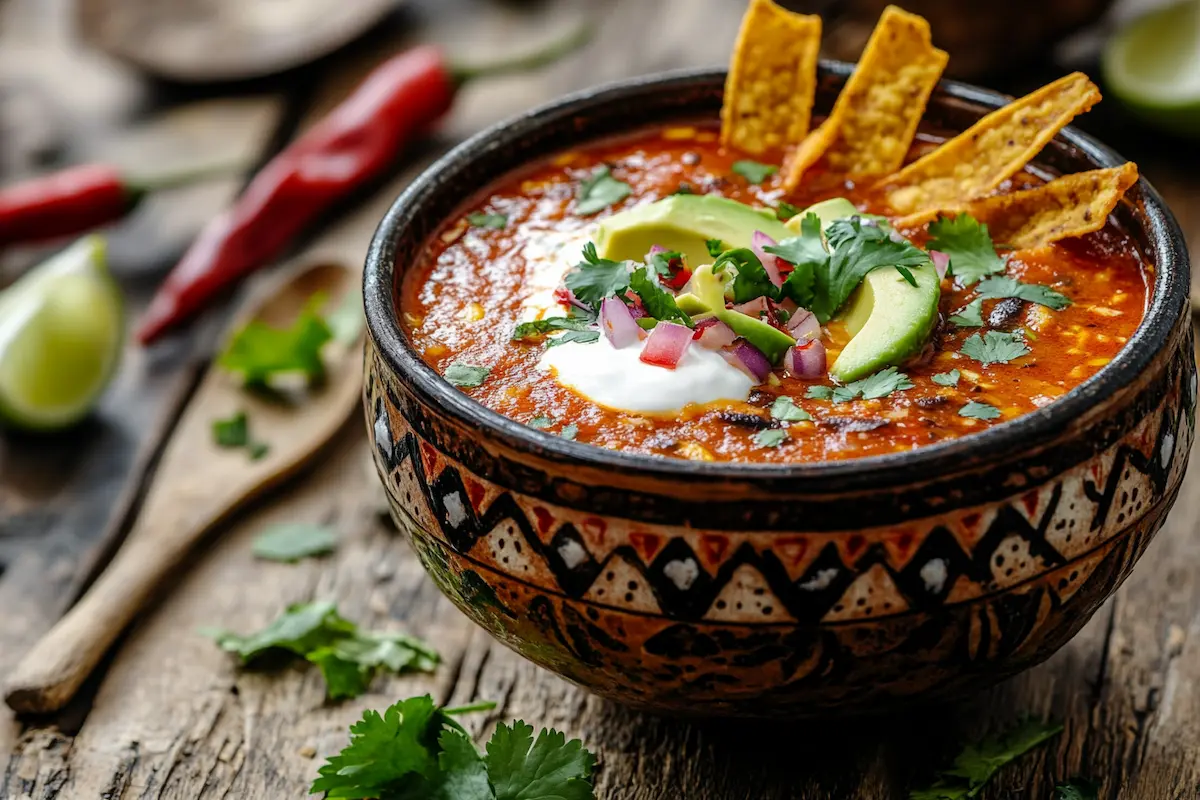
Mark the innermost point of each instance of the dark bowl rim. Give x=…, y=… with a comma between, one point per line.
x=1169, y=297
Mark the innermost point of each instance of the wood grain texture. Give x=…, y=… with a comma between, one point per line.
x=173, y=718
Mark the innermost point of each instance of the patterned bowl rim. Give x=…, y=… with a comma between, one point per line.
x=408, y=216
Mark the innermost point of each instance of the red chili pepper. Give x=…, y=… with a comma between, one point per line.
x=76, y=200
x=357, y=141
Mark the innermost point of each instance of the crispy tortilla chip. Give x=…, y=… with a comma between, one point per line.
x=1068, y=206
x=979, y=159
x=876, y=115
x=772, y=79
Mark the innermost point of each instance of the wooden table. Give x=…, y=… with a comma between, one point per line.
x=168, y=715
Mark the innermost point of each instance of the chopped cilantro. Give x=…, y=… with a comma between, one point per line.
x=661, y=262
x=858, y=248
x=906, y=273
x=1004, y=286
x=978, y=763
x=540, y=421
x=750, y=280
x=819, y=393
x=258, y=351
x=347, y=657
x=579, y=337
x=657, y=301
x=977, y=410
x=966, y=241
x=715, y=248
x=466, y=376
x=771, y=437
x=995, y=347
x=807, y=254
x=417, y=750
x=970, y=315
x=595, y=278
x=598, y=191
x=536, y=329
x=753, y=171
x=495, y=221
x=873, y=387
x=786, y=410
x=235, y=432
x=785, y=211
x=569, y=431
x=947, y=378
x=1076, y=789
x=292, y=541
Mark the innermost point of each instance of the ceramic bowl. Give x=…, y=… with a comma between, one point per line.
x=706, y=588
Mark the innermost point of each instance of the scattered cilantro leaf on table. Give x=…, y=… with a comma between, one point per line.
x=466, y=376
x=947, y=378
x=258, y=351
x=976, y=410
x=715, y=247
x=1076, y=789
x=657, y=301
x=750, y=279
x=807, y=254
x=234, y=432
x=770, y=437
x=978, y=763
x=595, y=278
x=1003, y=286
x=995, y=347
x=292, y=541
x=970, y=315
x=785, y=211
x=785, y=409
x=493, y=221
x=753, y=171
x=966, y=241
x=598, y=191
x=417, y=751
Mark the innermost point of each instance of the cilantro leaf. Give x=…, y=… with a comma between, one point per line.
x=569, y=432
x=966, y=241
x=947, y=378
x=807, y=254
x=235, y=432
x=541, y=421
x=467, y=376
x=785, y=211
x=657, y=301
x=750, y=279
x=873, y=387
x=494, y=221
x=770, y=437
x=753, y=171
x=258, y=352
x=661, y=262
x=906, y=273
x=715, y=247
x=580, y=337
x=550, y=768
x=858, y=248
x=785, y=409
x=1004, y=286
x=819, y=393
x=292, y=541
x=538, y=328
x=1076, y=789
x=303, y=628
x=595, y=278
x=995, y=347
x=977, y=410
x=970, y=315
x=978, y=763
x=463, y=772
x=598, y=191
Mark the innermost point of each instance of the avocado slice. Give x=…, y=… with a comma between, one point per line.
x=707, y=294
x=827, y=211
x=684, y=222
x=890, y=320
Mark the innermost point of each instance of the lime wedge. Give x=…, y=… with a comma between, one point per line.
x=1153, y=67
x=61, y=336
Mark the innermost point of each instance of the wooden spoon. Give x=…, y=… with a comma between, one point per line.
x=197, y=485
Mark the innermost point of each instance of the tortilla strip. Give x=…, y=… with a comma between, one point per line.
x=1068, y=206
x=873, y=122
x=979, y=159
x=772, y=79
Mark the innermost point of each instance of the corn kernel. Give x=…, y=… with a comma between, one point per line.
x=1098, y=362
x=436, y=350
x=413, y=320
x=472, y=312
x=682, y=132
x=695, y=451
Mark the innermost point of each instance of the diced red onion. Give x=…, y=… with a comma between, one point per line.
x=618, y=323
x=748, y=359
x=759, y=308
x=941, y=262
x=896, y=236
x=666, y=345
x=806, y=359
x=804, y=325
x=712, y=334
x=770, y=263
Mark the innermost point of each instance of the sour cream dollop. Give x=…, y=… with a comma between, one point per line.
x=620, y=380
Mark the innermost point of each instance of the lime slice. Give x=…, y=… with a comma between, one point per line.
x=1153, y=67
x=61, y=336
